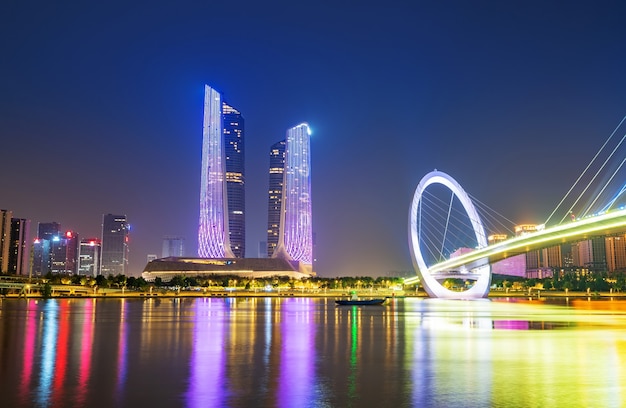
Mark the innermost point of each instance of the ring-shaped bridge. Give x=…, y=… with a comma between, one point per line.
x=480, y=289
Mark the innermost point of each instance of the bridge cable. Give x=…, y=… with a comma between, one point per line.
x=583, y=173
x=431, y=200
x=604, y=188
x=435, y=223
x=593, y=178
x=487, y=212
x=445, y=230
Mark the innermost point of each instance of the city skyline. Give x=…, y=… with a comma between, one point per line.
x=101, y=111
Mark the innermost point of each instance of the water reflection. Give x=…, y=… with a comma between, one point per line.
x=48, y=351
x=297, y=348
x=29, y=350
x=206, y=388
x=286, y=352
x=122, y=349
x=86, y=344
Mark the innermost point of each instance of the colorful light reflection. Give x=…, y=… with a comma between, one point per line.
x=207, y=357
x=297, y=354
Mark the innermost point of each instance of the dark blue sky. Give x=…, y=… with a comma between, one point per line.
x=101, y=110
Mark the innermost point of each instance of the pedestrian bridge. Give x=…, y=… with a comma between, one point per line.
x=610, y=223
x=476, y=264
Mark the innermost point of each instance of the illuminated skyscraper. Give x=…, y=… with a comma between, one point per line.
x=295, y=240
x=221, y=231
x=5, y=239
x=235, y=178
x=64, y=253
x=89, y=257
x=19, y=252
x=277, y=167
x=48, y=230
x=114, y=255
x=42, y=247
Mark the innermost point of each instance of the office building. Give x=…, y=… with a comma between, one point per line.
x=114, y=256
x=222, y=180
x=89, y=257
x=295, y=240
x=233, y=126
x=276, y=174
x=616, y=252
x=19, y=248
x=5, y=239
x=41, y=257
x=64, y=253
x=173, y=246
x=43, y=246
x=48, y=230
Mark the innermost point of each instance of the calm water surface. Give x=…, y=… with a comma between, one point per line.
x=307, y=352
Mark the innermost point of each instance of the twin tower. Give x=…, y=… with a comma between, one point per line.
x=221, y=232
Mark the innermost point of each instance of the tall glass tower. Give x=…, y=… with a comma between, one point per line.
x=114, y=252
x=295, y=240
x=221, y=231
x=277, y=167
x=235, y=183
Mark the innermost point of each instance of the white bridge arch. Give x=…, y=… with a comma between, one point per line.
x=480, y=289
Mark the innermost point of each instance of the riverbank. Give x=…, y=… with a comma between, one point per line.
x=62, y=292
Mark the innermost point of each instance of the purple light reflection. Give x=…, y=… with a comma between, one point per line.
x=206, y=377
x=511, y=325
x=297, y=354
x=121, y=351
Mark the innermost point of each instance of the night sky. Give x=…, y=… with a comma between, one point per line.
x=101, y=110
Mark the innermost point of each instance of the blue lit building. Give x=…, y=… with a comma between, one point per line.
x=275, y=199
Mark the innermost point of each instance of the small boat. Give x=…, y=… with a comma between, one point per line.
x=360, y=302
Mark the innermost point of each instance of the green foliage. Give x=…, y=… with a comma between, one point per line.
x=46, y=290
x=101, y=280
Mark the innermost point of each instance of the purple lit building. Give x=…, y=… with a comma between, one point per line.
x=222, y=199
x=295, y=240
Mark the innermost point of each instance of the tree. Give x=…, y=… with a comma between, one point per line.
x=101, y=280
x=46, y=290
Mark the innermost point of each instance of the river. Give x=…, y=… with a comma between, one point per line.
x=308, y=352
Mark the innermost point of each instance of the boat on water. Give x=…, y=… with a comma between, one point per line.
x=360, y=302
x=355, y=301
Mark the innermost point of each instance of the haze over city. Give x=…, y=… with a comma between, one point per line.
x=101, y=111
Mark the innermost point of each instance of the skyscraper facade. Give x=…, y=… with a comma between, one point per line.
x=295, y=240
x=233, y=126
x=64, y=253
x=214, y=237
x=48, y=230
x=173, y=246
x=89, y=257
x=5, y=239
x=114, y=256
x=277, y=167
x=41, y=257
x=19, y=251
